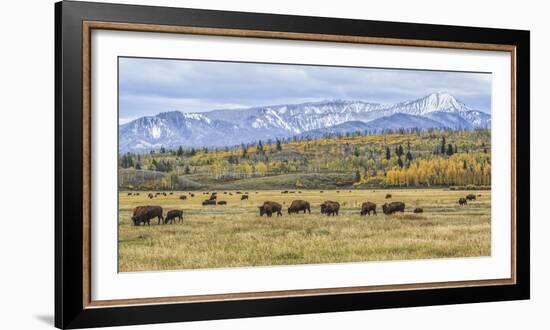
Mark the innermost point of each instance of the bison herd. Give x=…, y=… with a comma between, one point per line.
x=144, y=214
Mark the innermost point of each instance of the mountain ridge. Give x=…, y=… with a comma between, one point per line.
x=218, y=128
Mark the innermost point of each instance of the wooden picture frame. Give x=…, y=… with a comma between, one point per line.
x=74, y=307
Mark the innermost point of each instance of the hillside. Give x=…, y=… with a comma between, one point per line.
x=431, y=158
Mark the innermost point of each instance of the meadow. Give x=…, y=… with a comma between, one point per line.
x=234, y=235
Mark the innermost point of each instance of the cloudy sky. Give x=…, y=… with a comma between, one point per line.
x=150, y=86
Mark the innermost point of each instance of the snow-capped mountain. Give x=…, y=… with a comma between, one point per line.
x=233, y=127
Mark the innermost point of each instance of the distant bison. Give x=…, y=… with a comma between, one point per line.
x=418, y=210
x=299, y=205
x=222, y=203
x=462, y=201
x=393, y=207
x=183, y=197
x=174, y=215
x=208, y=202
x=213, y=197
x=144, y=214
x=367, y=207
x=269, y=208
x=129, y=194
x=330, y=208
x=192, y=195
x=243, y=197
x=150, y=195
x=471, y=197
x=388, y=196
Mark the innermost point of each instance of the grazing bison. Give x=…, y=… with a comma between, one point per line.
x=137, y=194
x=222, y=203
x=418, y=210
x=393, y=207
x=462, y=201
x=367, y=207
x=471, y=197
x=284, y=192
x=299, y=205
x=144, y=214
x=171, y=193
x=150, y=195
x=225, y=192
x=129, y=194
x=192, y=195
x=269, y=208
x=330, y=208
x=388, y=196
x=213, y=197
x=243, y=197
x=172, y=215
x=183, y=197
x=208, y=202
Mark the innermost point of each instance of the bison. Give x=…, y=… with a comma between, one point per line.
x=129, y=194
x=222, y=203
x=213, y=197
x=299, y=205
x=418, y=210
x=269, y=208
x=471, y=197
x=172, y=215
x=388, y=196
x=243, y=197
x=192, y=195
x=183, y=197
x=150, y=195
x=393, y=207
x=367, y=207
x=144, y=214
x=330, y=208
x=462, y=201
x=208, y=202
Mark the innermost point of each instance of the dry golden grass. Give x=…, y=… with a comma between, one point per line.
x=235, y=235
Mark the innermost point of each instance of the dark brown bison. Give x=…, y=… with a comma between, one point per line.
x=208, y=202
x=367, y=207
x=171, y=193
x=330, y=208
x=393, y=207
x=284, y=192
x=192, y=195
x=299, y=205
x=418, y=210
x=213, y=197
x=164, y=194
x=462, y=201
x=243, y=197
x=129, y=194
x=150, y=195
x=183, y=197
x=144, y=214
x=222, y=203
x=137, y=194
x=269, y=208
x=388, y=196
x=174, y=215
x=471, y=197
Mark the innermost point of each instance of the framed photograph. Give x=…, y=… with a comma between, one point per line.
x=214, y=164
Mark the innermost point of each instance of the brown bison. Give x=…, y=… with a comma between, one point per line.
x=183, y=197
x=243, y=197
x=174, y=215
x=367, y=207
x=213, y=197
x=144, y=214
x=330, y=208
x=129, y=194
x=462, y=201
x=418, y=210
x=393, y=207
x=150, y=195
x=299, y=205
x=471, y=197
x=192, y=195
x=222, y=203
x=208, y=202
x=388, y=196
x=269, y=208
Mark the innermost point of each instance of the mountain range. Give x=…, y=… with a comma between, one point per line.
x=219, y=128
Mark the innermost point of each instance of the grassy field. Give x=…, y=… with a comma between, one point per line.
x=235, y=235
